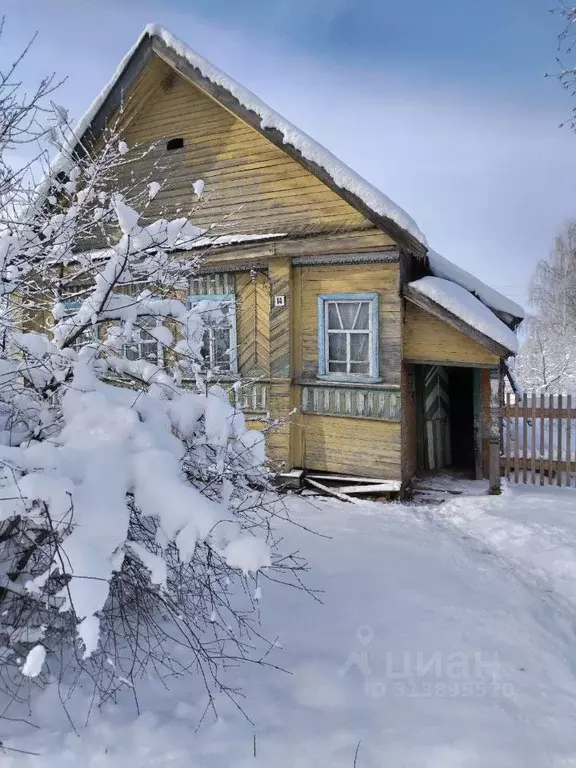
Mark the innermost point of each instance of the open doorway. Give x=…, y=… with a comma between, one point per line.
x=461, y=387
x=448, y=419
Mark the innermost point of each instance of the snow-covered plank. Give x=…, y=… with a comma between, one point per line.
x=389, y=486
x=331, y=491
x=345, y=478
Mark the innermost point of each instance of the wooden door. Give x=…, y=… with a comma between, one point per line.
x=436, y=413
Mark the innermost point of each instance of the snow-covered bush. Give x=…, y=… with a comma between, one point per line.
x=137, y=519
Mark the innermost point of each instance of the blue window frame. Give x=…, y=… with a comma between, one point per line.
x=348, y=336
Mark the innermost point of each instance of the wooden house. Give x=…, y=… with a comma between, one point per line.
x=379, y=357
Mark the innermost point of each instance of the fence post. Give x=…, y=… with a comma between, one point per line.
x=494, y=432
x=569, y=441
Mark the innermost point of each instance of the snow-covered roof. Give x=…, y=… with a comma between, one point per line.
x=461, y=303
x=441, y=267
x=341, y=175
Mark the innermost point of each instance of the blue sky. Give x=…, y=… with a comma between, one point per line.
x=442, y=104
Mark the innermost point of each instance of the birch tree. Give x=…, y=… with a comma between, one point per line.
x=547, y=358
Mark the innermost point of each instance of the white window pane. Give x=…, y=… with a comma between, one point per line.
x=333, y=318
x=348, y=310
x=146, y=321
x=337, y=346
x=362, y=320
x=205, y=349
x=359, y=347
x=222, y=347
x=149, y=352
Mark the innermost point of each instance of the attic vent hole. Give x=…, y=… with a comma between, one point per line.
x=174, y=144
x=168, y=82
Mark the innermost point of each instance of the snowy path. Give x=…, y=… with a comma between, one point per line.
x=446, y=637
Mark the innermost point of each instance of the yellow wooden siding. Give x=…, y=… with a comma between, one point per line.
x=383, y=279
x=409, y=423
x=352, y=446
x=253, y=324
x=281, y=390
x=251, y=185
x=428, y=339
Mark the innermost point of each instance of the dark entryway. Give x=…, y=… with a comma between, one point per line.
x=448, y=418
x=461, y=389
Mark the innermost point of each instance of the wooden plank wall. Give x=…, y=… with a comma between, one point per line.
x=359, y=278
x=409, y=423
x=352, y=446
x=430, y=340
x=251, y=185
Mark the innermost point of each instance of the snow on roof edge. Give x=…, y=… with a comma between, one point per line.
x=185, y=244
x=341, y=174
x=462, y=303
x=442, y=267
x=62, y=161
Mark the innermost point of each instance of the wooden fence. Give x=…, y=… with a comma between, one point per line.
x=539, y=439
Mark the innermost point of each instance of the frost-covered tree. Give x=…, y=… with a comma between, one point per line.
x=566, y=73
x=547, y=358
x=137, y=520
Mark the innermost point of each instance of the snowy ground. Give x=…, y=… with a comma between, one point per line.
x=446, y=637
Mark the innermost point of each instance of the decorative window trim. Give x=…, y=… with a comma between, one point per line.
x=228, y=299
x=374, y=367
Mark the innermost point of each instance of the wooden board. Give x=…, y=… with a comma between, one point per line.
x=428, y=339
x=352, y=446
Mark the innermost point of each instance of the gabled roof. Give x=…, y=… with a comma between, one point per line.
x=359, y=193
x=234, y=97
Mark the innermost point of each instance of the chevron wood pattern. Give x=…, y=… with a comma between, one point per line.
x=253, y=324
x=437, y=416
x=280, y=319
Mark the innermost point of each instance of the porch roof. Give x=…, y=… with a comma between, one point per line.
x=459, y=308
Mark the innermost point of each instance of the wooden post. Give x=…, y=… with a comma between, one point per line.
x=508, y=433
x=280, y=359
x=525, y=438
x=517, y=437
x=494, y=431
x=533, y=440
x=550, y=441
x=559, y=452
x=569, y=440
x=542, y=430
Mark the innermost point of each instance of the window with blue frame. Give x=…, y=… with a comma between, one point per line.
x=219, y=350
x=88, y=335
x=348, y=336
x=143, y=345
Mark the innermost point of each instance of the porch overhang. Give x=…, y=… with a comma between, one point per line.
x=438, y=311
